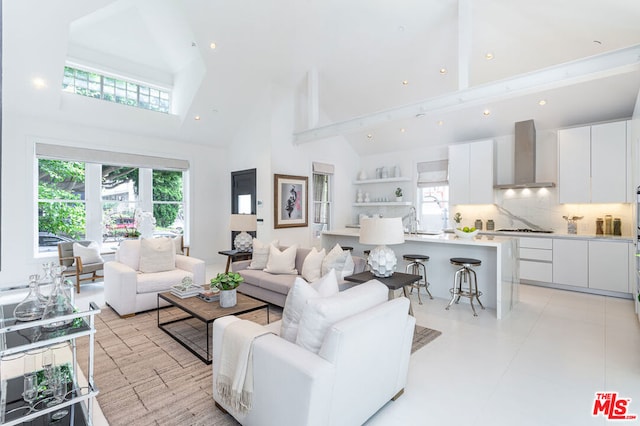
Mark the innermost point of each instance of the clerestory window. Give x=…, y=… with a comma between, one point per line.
x=108, y=88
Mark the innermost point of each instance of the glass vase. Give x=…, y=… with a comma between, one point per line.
x=32, y=307
x=59, y=304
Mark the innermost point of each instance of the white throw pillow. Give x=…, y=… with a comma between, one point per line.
x=297, y=300
x=340, y=260
x=177, y=242
x=312, y=265
x=321, y=313
x=282, y=262
x=260, y=254
x=157, y=255
x=88, y=254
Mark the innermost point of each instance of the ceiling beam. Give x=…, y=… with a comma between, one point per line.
x=465, y=30
x=595, y=67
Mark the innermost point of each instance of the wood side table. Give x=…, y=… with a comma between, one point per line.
x=398, y=280
x=233, y=255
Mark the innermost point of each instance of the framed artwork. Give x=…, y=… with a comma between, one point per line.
x=290, y=201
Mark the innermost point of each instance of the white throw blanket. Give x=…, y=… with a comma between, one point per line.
x=235, y=376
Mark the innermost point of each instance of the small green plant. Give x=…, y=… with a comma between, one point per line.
x=226, y=281
x=457, y=218
x=398, y=192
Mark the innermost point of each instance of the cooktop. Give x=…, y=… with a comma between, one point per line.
x=525, y=230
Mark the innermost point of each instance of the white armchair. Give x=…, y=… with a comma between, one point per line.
x=128, y=290
x=362, y=364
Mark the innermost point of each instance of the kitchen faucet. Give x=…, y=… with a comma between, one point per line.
x=413, y=220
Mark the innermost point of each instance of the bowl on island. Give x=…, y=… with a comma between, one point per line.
x=466, y=235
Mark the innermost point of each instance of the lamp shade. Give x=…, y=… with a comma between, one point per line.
x=381, y=231
x=243, y=222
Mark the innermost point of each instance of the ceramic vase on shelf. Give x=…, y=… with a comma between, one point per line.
x=228, y=298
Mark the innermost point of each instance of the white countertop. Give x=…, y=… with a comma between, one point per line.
x=444, y=238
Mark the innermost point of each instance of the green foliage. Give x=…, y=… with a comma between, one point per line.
x=167, y=186
x=227, y=281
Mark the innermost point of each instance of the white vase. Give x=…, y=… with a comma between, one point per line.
x=228, y=298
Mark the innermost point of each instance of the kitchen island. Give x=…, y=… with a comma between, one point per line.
x=498, y=276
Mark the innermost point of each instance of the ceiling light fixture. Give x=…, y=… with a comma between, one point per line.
x=488, y=56
x=420, y=115
x=443, y=70
x=440, y=122
x=197, y=118
x=212, y=45
x=402, y=130
x=193, y=44
x=369, y=136
x=542, y=102
x=486, y=112
x=39, y=83
x=405, y=82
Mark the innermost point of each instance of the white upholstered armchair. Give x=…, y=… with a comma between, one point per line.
x=140, y=272
x=362, y=364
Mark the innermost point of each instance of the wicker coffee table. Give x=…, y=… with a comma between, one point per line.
x=188, y=332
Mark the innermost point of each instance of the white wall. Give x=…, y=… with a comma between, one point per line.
x=19, y=214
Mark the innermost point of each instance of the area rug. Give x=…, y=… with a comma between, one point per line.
x=147, y=378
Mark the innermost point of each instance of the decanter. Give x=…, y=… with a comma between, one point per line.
x=59, y=304
x=32, y=307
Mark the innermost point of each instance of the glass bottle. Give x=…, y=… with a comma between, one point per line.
x=32, y=307
x=59, y=304
x=599, y=226
x=608, y=224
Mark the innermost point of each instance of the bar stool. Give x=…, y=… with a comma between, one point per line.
x=464, y=274
x=416, y=266
x=347, y=248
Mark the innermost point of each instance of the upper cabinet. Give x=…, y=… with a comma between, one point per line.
x=592, y=164
x=471, y=173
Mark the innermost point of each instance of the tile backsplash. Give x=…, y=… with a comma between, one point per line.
x=541, y=207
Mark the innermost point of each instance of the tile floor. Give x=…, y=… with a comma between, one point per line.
x=540, y=366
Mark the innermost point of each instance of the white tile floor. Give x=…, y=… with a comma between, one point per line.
x=540, y=366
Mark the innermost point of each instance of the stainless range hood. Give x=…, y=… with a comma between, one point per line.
x=525, y=158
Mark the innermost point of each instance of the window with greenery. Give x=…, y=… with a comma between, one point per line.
x=119, y=194
x=94, y=85
x=61, y=205
x=105, y=210
x=168, y=202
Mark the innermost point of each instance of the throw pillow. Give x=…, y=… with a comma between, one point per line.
x=297, y=300
x=340, y=260
x=177, y=242
x=312, y=266
x=321, y=313
x=260, y=254
x=157, y=255
x=282, y=262
x=88, y=254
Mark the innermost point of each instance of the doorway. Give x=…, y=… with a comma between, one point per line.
x=243, y=195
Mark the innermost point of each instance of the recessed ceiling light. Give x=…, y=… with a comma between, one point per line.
x=39, y=83
x=194, y=44
x=542, y=102
x=440, y=122
x=486, y=112
x=420, y=115
x=369, y=136
x=212, y=45
x=197, y=118
x=402, y=130
x=405, y=82
x=443, y=70
x=488, y=56
x=597, y=41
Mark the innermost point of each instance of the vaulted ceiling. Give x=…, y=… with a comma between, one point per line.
x=387, y=75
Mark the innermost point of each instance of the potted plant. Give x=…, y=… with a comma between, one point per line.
x=227, y=284
x=398, y=194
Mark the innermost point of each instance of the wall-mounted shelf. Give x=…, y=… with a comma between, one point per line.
x=383, y=203
x=385, y=180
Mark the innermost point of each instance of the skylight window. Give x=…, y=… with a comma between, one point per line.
x=94, y=85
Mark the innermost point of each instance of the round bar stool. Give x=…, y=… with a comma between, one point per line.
x=416, y=266
x=347, y=248
x=464, y=274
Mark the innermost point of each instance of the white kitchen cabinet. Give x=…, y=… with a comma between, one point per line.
x=571, y=262
x=609, y=163
x=574, y=157
x=609, y=266
x=471, y=173
x=592, y=164
x=536, y=259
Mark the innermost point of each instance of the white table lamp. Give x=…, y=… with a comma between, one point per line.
x=243, y=223
x=382, y=232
